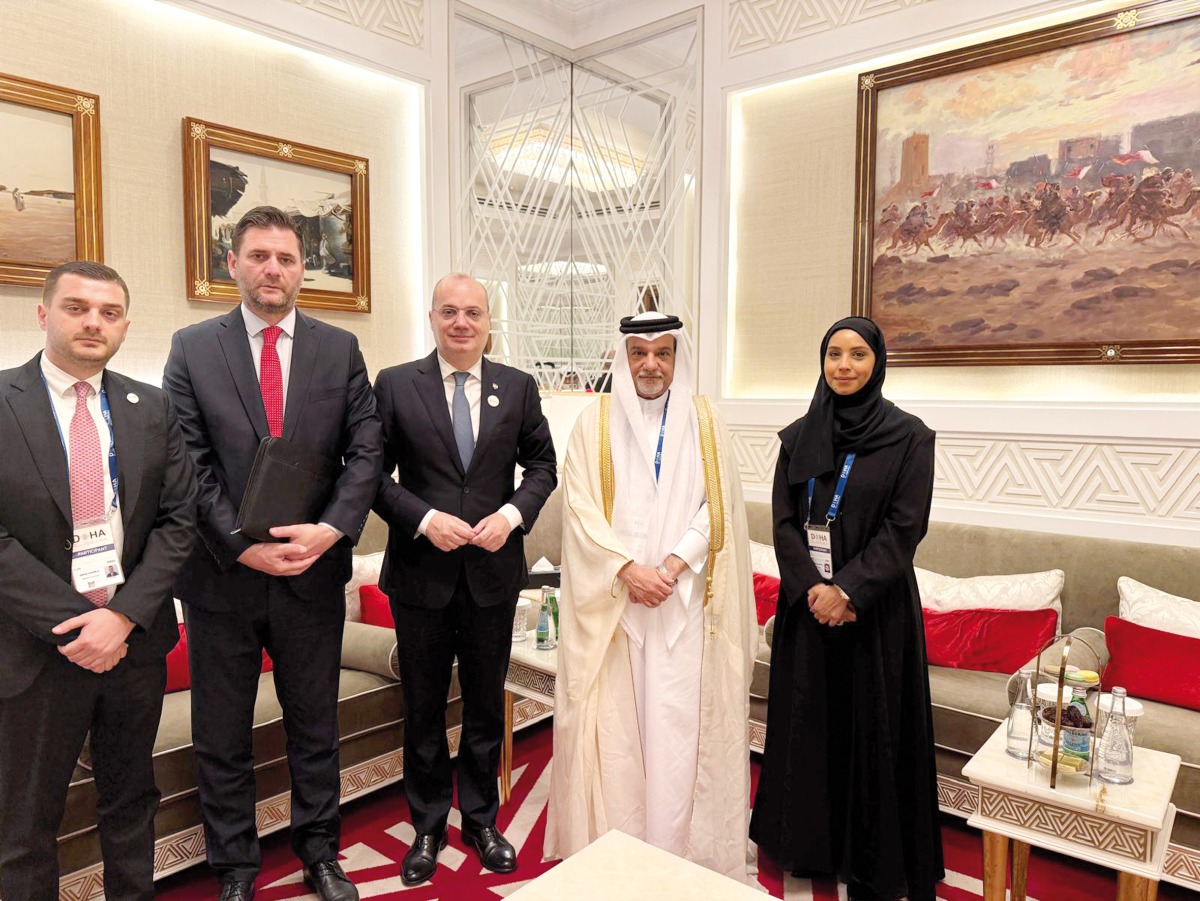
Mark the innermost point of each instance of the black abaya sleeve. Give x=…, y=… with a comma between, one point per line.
x=888, y=555
x=797, y=573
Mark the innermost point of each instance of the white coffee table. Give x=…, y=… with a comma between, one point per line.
x=528, y=697
x=1123, y=827
x=619, y=866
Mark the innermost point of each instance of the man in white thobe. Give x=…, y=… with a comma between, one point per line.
x=657, y=618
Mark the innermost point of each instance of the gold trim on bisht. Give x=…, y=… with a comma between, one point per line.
x=712, y=487
x=607, y=487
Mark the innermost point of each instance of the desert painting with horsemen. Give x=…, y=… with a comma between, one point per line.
x=1049, y=199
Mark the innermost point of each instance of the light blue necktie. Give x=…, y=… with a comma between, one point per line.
x=463, y=435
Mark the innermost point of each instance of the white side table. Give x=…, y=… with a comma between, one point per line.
x=1123, y=827
x=531, y=675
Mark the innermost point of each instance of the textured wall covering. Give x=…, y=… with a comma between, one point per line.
x=397, y=20
x=755, y=24
x=1159, y=482
x=153, y=64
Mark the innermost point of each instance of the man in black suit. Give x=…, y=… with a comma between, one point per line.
x=267, y=369
x=457, y=425
x=86, y=451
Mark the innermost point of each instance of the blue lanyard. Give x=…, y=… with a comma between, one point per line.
x=662, y=430
x=106, y=412
x=836, y=503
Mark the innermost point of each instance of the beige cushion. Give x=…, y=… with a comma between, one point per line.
x=1018, y=591
x=762, y=559
x=366, y=572
x=1156, y=609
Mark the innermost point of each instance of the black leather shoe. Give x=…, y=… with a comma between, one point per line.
x=421, y=859
x=236, y=890
x=329, y=881
x=493, y=849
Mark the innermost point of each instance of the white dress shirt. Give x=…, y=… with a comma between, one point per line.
x=62, y=396
x=473, y=388
x=283, y=347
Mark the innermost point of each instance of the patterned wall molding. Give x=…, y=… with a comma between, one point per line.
x=757, y=24
x=1118, y=481
x=397, y=20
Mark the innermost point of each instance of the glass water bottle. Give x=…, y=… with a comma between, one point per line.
x=1114, y=751
x=1020, y=717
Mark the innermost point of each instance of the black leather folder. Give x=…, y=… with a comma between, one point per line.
x=288, y=484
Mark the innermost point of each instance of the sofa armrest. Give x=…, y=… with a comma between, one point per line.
x=1088, y=651
x=370, y=649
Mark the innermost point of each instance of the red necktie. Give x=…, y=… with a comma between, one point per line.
x=87, y=472
x=270, y=380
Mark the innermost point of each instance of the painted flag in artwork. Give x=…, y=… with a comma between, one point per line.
x=1078, y=172
x=933, y=193
x=1139, y=156
x=988, y=184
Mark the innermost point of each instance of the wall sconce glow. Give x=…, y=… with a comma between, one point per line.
x=556, y=269
x=533, y=152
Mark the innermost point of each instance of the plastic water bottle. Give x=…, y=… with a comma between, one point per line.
x=1020, y=717
x=547, y=634
x=1114, y=751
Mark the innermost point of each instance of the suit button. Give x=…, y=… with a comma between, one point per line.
x=67, y=545
x=466, y=490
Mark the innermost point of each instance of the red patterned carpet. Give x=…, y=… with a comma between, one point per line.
x=376, y=833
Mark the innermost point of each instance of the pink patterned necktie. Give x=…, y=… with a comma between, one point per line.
x=270, y=380
x=87, y=472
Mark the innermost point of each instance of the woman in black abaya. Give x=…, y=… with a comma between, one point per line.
x=848, y=783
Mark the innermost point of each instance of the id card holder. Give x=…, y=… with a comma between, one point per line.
x=820, y=549
x=95, y=562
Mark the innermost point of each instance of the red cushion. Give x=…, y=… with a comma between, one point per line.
x=1149, y=663
x=179, y=672
x=179, y=676
x=990, y=641
x=376, y=609
x=766, y=596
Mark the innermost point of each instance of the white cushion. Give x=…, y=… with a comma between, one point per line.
x=1021, y=591
x=366, y=572
x=762, y=559
x=1156, y=609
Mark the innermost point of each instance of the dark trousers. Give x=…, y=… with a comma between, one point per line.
x=304, y=639
x=41, y=734
x=429, y=641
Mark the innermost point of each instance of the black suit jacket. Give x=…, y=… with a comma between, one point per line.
x=157, y=495
x=329, y=409
x=419, y=438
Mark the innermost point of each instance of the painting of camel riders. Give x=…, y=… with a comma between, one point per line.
x=1041, y=207
x=229, y=172
x=49, y=179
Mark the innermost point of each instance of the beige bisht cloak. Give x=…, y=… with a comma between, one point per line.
x=598, y=779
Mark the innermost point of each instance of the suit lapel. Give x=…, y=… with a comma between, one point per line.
x=35, y=418
x=130, y=433
x=489, y=375
x=305, y=344
x=433, y=394
x=235, y=344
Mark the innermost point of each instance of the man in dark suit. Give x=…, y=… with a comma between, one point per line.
x=457, y=425
x=86, y=452
x=267, y=369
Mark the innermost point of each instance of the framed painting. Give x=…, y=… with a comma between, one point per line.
x=227, y=172
x=50, y=209
x=1034, y=199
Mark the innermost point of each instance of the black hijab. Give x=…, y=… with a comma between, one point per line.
x=861, y=422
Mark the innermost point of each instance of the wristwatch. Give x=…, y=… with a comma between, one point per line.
x=662, y=568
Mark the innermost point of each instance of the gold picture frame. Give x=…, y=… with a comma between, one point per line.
x=1028, y=200
x=53, y=136
x=227, y=171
